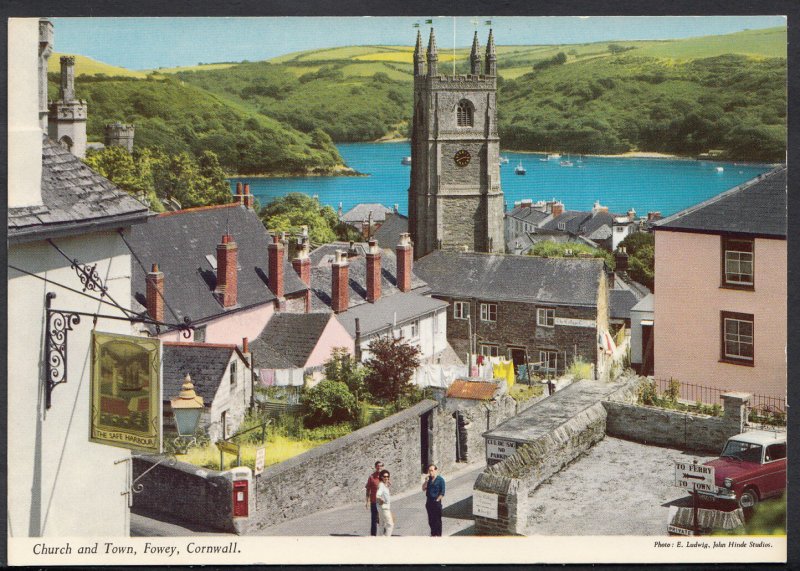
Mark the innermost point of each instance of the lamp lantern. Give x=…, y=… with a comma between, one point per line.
x=187, y=408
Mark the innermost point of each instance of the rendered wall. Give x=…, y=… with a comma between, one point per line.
x=688, y=303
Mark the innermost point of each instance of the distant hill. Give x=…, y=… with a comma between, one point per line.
x=88, y=66
x=677, y=96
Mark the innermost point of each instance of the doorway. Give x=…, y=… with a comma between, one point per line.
x=426, y=440
x=461, y=437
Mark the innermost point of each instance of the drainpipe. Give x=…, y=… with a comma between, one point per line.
x=358, y=340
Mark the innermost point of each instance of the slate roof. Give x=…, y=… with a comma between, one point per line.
x=360, y=212
x=756, y=207
x=288, y=340
x=559, y=281
x=75, y=200
x=646, y=304
x=583, y=223
x=321, y=273
x=206, y=363
x=179, y=243
x=528, y=214
x=398, y=308
x=625, y=294
x=388, y=235
x=472, y=390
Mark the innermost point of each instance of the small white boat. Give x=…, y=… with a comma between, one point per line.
x=566, y=163
x=406, y=161
x=553, y=156
x=503, y=160
x=520, y=169
x=720, y=169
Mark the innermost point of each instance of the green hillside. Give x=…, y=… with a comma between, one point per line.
x=176, y=117
x=88, y=66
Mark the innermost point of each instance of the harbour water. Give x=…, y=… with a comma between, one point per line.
x=644, y=184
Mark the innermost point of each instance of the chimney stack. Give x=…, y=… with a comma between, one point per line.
x=275, y=266
x=373, y=272
x=227, y=271
x=558, y=209
x=621, y=260
x=340, y=283
x=405, y=255
x=302, y=265
x=239, y=195
x=155, y=293
x=631, y=215
x=249, y=200
x=245, y=345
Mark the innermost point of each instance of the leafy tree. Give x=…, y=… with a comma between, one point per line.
x=343, y=368
x=640, y=247
x=132, y=173
x=287, y=213
x=329, y=402
x=391, y=368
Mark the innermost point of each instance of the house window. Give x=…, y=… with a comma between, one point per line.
x=490, y=350
x=562, y=225
x=737, y=263
x=233, y=373
x=545, y=317
x=488, y=312
x=200, y=334
x=414, y=330
x=737, y=338
x=619, y=229
x=461, y=310
x=464, y=114
x=548, y=361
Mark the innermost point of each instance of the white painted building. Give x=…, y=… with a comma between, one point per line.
x=60, y=483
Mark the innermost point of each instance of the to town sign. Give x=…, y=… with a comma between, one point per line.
x=694, y=477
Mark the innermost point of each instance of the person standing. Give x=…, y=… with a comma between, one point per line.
x=372, y=490
x=434, y=494
x=384, y=499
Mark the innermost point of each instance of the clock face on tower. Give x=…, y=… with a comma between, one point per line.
x=462, y=158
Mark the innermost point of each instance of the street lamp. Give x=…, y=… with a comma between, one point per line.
x=187, y=408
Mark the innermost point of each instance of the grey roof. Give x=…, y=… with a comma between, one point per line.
x=756, y=207
x=207, y=365
x=625, y=294
x=361, y=212
x=528, y=214
x=179, y=243
x=384, y=313
x=288, y=340
x=583, y=223
x=75, y=199
x=321, y=274
x=561, y=281
x=646, y=304
x=388, y=235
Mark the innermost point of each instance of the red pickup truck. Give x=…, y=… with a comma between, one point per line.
x=751, y=468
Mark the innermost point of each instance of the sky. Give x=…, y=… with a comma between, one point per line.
x=149, y=43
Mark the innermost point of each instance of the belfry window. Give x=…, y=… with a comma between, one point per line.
x=464, y=114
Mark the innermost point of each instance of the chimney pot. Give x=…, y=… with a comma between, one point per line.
x=154, y=293
x=275, y=253
x=340, y=287
x=245, y=345
x=227, y=271
x=405, y=255
x=373, y=272
x=238, y=188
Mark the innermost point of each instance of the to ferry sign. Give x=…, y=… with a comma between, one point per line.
x=694, y=477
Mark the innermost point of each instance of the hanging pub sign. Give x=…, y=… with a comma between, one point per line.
x=126, y=391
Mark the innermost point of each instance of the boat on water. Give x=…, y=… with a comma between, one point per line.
x=503, y=160
x=405, y=161
x=519, y=169
x=567, y=163
x=720, y=169
x=554, y=156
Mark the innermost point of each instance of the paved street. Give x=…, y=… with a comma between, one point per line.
x=408, y=508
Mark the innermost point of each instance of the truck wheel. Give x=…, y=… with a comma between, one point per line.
x=749, y=499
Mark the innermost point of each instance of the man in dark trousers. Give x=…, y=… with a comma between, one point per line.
x=372, y=502
x=434, y=494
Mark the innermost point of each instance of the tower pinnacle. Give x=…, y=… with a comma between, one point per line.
x=419, y=57
x=433, y=56
x=491, y=55
x=475, y=56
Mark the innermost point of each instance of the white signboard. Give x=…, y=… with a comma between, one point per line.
x=260, y=457
x=484, y=504
x=591, y=324
x=696, y=477
x=497, y=449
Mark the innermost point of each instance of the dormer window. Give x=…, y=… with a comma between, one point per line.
x=464, y=114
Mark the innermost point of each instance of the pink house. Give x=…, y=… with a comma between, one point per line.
x=720, y=315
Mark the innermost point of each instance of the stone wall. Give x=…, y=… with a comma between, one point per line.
x=684, y=430
x=334, y=474
x=184, y=492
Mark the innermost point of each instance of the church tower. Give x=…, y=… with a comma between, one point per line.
x=67, y=118
x=455, y=201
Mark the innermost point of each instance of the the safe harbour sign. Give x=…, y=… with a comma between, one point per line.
x=694, y=477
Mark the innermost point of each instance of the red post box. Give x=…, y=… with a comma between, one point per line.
x=240, y=498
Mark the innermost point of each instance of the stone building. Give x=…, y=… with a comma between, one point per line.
x=67, y=118
x=549, y=311
x=119, y=135
x=455, y=200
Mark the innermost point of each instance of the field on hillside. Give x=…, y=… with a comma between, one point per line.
x=88, y=66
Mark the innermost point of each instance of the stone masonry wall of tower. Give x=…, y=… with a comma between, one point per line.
x=455, y=198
